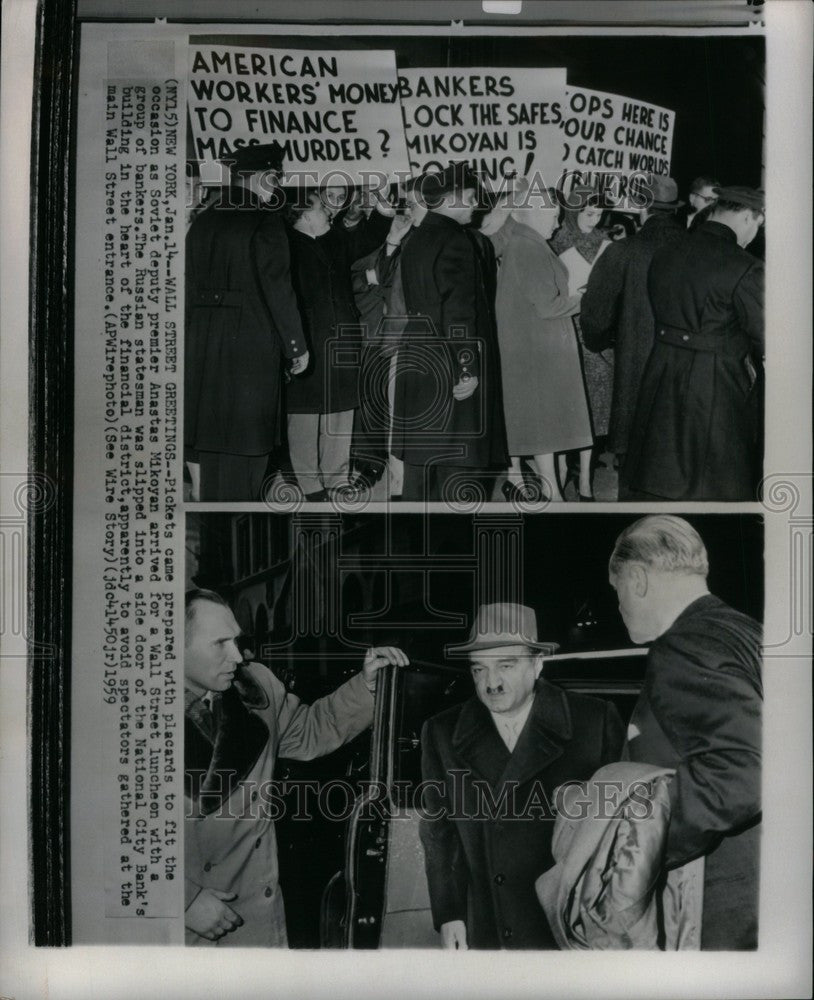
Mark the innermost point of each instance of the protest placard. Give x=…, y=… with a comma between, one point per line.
x=332, y=111
x=609, y=139
x=501, y=121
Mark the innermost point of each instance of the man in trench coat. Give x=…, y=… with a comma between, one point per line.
x=239, y=719
x=491, y=766
x=242, y=328
x=694, y=434
x=615, y=311
x=699, y=713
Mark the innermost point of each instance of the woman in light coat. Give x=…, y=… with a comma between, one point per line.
x=580, y=232
x=544, y=397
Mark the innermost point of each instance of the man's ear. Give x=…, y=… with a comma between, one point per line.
x=538, y=665
x=638, y=578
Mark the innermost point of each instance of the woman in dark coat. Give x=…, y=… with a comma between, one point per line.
x=321, y=402
x=580, y=231
x=544, y=397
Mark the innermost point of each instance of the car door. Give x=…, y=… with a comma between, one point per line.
x=380, y=899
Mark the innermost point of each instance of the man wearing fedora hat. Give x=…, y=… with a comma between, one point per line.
x=242, y=328
x=697, y=417
x=490, y=767
x=616, y=311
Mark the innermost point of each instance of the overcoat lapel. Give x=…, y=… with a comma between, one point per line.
x=543, y=737
x=547, y=729
x=477, y=742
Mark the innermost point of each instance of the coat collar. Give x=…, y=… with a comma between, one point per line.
x=701, y=604
x=434, y=220
x=521, y=229
x=547, y=730
x=216, y=762
x=718, y=229
x=230, y=196
x=662, y=221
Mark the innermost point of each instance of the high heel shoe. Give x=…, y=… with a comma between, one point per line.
x=562, y=484
x=543, y=491
x=572, y=476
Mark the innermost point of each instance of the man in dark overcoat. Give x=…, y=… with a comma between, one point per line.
x=490, y=767
x=380, y=300
x=695, y=431
x=447, y=412
x=615, y=310
x=700, y=713
x=242, y=326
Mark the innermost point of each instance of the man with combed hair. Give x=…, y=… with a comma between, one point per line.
x=700, y=713
x=238, y=719
x=694, y=435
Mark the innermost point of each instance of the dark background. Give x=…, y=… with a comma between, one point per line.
x=564, y=573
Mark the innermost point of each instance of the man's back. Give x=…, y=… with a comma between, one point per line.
x=694, y=434
x=438, y=274
x=706, y=284
x=615, y=311
x=700, y=713
x=439, y=279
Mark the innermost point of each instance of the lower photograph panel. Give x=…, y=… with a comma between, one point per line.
x=486, y=731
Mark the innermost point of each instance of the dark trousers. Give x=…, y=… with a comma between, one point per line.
x=231, y=477
x=443, y=482
x=624, y=492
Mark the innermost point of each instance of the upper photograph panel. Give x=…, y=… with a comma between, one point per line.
x=462, y=268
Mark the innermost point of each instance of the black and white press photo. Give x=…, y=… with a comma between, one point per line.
x=405, y=498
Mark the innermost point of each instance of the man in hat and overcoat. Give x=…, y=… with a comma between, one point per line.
x=615, y=310
x=448, y=416
x=242, y=329
x=695, y=431
x=490, y=767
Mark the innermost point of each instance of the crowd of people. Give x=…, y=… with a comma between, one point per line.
x=443, y=339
